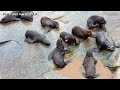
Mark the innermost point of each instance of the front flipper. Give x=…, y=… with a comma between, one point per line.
x=47, y=29
x=29, y=40
x=96, y=50
x=67, y=51
x=84, y=75
x=50, y=56
x=93, y=36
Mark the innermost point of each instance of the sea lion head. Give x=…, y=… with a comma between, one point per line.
x=89, y=53
x=101, y=20
x=59, y=44
x=70, y=40
x=4, y=20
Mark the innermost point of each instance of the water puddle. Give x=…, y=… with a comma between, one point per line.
x=74, y=70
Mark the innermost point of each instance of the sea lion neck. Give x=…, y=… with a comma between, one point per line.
x=59, y=44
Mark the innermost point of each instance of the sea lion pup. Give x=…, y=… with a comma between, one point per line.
x=13, y=16
x=81, y=33
x=58, y=55
x=34, y=36
x=103, y=43
x=68, y=38
x=48, y=24
x=89, y=64
x=26, y=15
x=96, y=21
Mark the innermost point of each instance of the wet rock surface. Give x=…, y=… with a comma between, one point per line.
x=30, y=61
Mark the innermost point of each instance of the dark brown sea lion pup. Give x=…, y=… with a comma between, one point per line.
x=68, y=38
x=49, y=24
x=10, y=17
x=58, y=55
x=96, y=21
x=81, y=33
x=26, y=15
x=33, y=36
x=103, y=43
x=89, y=64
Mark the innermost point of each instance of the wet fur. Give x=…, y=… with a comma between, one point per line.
x=58, y=55
x=89, y=64
x=49, y=24
x=102, y=43
x=34, y=36
x=96, y=21
x=68, y=38
x=81, y=33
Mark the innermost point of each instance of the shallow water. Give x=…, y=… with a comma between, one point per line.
x=74, y=70
x=33, y=63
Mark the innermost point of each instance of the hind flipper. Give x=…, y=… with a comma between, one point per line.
x=97, y=75
x=29, y=40
x=50, y=56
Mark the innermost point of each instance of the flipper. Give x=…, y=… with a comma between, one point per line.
x=97, y=75
x=47, y=29
x=84, y=75
x=29, y=40
x=50, y=56
x=93, y=36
